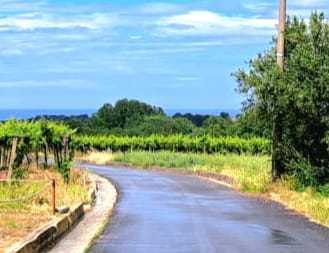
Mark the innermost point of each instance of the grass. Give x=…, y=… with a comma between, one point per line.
x=19, y=218
x=250, y=174
x=309, y=202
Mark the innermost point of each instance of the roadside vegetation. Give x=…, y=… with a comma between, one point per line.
x=296, y=100
x=26, y=205
x=250, y=173
x=32, y=154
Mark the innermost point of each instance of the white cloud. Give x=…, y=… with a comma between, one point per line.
x=188, y=78
x=19, y=5
x=33, y=21
x=258, y=7
x=309, y=3
x=11, y=52
x=210, y=23
x=159, y=8
x=47, y=83
x=135, y=37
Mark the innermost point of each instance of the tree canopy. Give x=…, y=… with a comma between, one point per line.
x=298, y=97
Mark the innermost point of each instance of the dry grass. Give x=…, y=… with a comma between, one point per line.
x=18, y=219
x=99, y=158
x=250, y=173
x=308, y=202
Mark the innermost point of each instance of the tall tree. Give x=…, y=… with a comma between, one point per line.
x=298, y=100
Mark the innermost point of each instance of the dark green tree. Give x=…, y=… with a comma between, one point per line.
x=299, y=97
x=125, y=113
x=163, y=125
x=219, y=126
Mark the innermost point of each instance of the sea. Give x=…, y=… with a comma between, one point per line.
x=6, y=114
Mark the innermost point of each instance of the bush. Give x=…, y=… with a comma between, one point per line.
x=324, y=190
x=65, y=169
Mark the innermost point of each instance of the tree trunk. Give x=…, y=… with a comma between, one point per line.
x=278, y=168
x=2, y=151
x=37, y=158
x=45, y=150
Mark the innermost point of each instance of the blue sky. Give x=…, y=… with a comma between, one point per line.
x=176, y=54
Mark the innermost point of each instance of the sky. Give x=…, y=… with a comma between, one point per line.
x=176, y=54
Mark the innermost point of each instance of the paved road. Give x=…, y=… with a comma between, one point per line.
x=162, y=212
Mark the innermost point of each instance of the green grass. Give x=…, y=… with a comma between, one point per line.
x=36, y=194
x=250, y=173
x=16, y=195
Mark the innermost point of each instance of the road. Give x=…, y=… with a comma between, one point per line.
x=166, y=212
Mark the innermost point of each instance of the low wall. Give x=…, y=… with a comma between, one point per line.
x=49, y=234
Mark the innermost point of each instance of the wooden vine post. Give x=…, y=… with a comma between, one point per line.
x=53, y=197
x=2, y=155
x=12, y=158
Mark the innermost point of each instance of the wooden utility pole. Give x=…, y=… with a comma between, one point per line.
x=282, y=29
x=277, y=163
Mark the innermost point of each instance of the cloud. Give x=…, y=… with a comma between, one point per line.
x=258, y=7
x=159, y=8
x=18, y=5
x=11, y=52
x=209, y=23
x=135, y=37
x=33, y=21
x=188, y=78
x=309, y=3
x=70, y=83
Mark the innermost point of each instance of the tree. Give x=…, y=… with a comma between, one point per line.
x=197, y=119
x=250, y=124
x=124, y=113
x=163, y=125
x=219, y=126
x=299, y=98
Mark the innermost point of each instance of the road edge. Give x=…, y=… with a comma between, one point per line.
x=94, y=221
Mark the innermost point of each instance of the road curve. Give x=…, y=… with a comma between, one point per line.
x=163, y=212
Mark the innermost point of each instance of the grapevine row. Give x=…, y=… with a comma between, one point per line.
x=175, y=143
x=22, y=142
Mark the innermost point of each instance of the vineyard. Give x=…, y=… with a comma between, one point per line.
x=175, y=143
x=21, y=144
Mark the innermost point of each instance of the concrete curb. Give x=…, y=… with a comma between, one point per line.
x=50, y=233
x=82, y=236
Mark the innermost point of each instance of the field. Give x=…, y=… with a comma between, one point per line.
x=26, y=205
x=251, y=174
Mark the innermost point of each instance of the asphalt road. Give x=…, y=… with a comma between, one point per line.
x=162, y=212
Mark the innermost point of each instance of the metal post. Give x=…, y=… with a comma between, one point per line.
x=53, y=187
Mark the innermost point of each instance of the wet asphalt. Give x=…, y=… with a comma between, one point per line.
x=167, y=212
